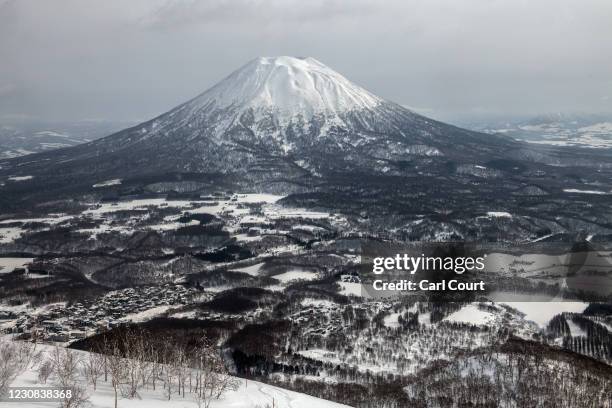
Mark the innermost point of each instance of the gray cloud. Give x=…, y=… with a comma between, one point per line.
x=72, y=59
x=173, y=14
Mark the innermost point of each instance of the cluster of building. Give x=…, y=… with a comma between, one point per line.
x=62, y=324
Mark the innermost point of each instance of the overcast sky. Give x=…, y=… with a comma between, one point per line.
x=133, y=59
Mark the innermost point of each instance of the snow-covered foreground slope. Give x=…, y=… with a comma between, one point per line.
x=249, y=394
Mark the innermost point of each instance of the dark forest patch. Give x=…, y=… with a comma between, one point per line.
x=242, y=299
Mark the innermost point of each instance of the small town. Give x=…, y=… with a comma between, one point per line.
x=60, y=323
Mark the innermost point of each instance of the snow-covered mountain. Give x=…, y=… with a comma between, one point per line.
x=295, y=126
x=284, y=105
x=281, y=117
x=272, y=99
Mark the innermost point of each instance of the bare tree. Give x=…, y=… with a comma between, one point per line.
x=26, y=353
x=103, y=349
x=212, y=378
x=9, y=369
x=93, y=367
x=65, y=369
x=168, y=370
x=181, y=368
x=15, y=357
x=147, y=357
x=130, y=345
x=44, y=371
x=116, y=366
x=155, y=365
x=134, y=347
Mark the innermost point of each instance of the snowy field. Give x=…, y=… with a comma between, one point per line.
x=252, y=270
x=294, y=275
x=10, y=264
x=20, y=178
x=108, y=183
x=577, y=191
x=471, y=314
x=542, y=312
x=234, y=209
x=351, y=289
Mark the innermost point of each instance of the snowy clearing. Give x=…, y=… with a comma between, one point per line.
x=391, y=320
x=107, y=183
x=573, y=190
x=499, y=214
x=252, y=270
x=297, y=274
x=8, y=235
x=350, y=288
x=10, y=264
x=542, y=312
x=20, y=178
x=470, y=314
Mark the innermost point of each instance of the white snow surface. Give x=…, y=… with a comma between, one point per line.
x=499, y=214
x=10, y=264
x=470, y=314
x=107, y=183
x=288, y=86
x=542, y=312
x=296, y=274
x=252, y=270
x=350, y=288
x=391, y=320
x=20, y=178
x=577, y=191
